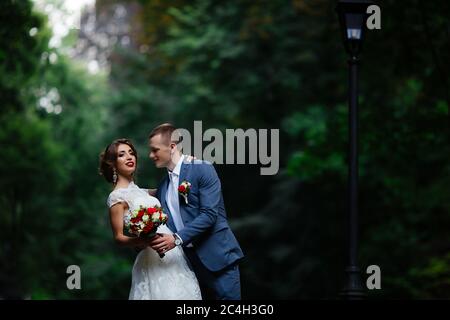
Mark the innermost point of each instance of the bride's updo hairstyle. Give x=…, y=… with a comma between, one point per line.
x=109, y=156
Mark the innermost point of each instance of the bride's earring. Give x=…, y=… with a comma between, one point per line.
x=114, y=176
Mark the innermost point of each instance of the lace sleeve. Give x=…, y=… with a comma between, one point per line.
x=114, y=198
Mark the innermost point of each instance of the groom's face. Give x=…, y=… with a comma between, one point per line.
x=160, y=151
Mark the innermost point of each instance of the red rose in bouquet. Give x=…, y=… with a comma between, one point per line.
x=144, y=222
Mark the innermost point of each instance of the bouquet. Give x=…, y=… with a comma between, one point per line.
x=145, y=221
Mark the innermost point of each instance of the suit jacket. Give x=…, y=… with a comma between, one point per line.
x=204, y=216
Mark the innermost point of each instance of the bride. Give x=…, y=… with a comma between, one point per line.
x=153, y=278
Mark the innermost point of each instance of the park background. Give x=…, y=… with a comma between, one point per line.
x=68, y=88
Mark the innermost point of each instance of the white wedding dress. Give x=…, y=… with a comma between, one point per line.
x=155, y=278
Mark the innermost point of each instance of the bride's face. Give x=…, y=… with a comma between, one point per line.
x=126, y=160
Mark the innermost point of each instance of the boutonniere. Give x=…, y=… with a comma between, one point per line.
x=183, y=190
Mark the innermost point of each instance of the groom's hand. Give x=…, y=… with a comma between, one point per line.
x=163, y=243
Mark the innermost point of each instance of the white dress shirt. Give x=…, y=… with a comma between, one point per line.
x=172, y=197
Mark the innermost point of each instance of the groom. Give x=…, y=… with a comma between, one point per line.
x=197, y=217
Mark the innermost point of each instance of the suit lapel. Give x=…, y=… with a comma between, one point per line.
x=183, y=172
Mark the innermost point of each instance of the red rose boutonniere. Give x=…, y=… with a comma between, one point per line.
x=183, y=190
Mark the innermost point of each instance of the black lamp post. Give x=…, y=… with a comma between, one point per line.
x=352, y=19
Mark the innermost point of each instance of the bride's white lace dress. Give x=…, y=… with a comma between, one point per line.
x=153, y=278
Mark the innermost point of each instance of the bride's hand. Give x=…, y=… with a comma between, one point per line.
x=142, y=243
x=163, y=242
x=189, y=158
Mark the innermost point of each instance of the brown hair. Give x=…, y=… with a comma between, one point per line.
x=109, y=156
x=166, y=130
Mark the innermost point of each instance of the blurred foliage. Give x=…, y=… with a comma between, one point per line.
x=240, y=64
x=50, y=189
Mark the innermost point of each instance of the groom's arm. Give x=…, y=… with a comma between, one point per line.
x=209, y=198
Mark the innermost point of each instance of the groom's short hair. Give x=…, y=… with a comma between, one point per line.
x=168, y=132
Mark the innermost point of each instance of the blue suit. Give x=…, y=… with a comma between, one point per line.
x=215, y=251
